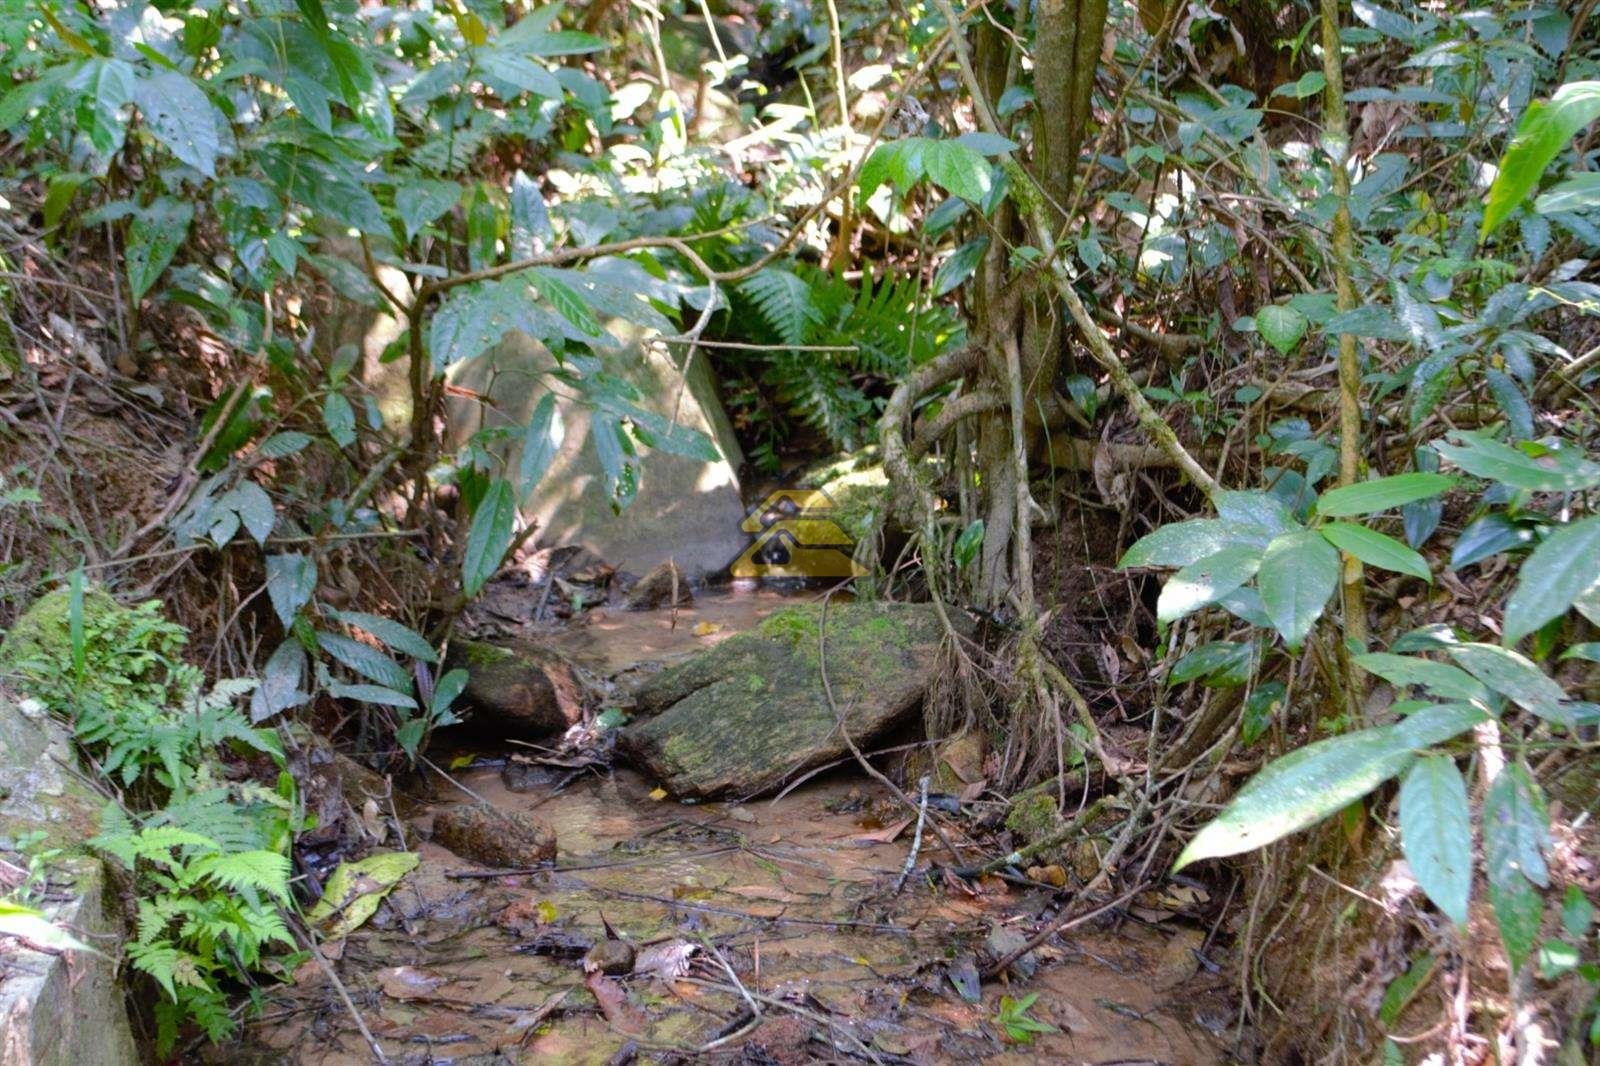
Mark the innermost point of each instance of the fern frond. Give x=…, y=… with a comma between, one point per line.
x=265, y=871
x=783, y=300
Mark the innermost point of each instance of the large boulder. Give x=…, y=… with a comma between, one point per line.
x=686, y=510
x=745, y=716
x=58, y=1009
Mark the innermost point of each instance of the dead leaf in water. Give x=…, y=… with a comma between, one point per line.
x=407, y=983
x=668, y=961
x=887, y=835
x=658, y=794
x=705, y=629
x=613, y=1002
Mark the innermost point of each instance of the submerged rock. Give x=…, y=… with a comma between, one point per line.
x=746, y=715
x=527, y=690
x=490, y=837
x=665, y=586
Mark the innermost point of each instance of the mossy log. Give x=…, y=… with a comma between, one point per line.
x=745, y=716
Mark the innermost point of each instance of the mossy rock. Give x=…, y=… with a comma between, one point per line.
x=1034, y=816
x=746, y=715
x=44, y=632
x=507, y=840
x=521, y=691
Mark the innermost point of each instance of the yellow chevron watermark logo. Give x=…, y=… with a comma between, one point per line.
x=794, y=535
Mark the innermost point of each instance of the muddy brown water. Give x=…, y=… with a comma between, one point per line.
x=796, y=897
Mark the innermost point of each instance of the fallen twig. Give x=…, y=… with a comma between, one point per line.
x=1000, y=965
x=916, y=837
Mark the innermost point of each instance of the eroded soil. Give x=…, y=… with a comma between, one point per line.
x=761, y=932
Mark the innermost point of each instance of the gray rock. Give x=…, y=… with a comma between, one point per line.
x=58, y=1010
x=686, y=510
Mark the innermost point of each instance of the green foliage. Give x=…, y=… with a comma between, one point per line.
x=210, y=860
x=1015, y=1022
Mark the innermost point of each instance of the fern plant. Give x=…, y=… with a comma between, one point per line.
x=875, y=330
x=209, y=863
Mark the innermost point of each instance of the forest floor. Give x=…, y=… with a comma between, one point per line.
x=797, y=894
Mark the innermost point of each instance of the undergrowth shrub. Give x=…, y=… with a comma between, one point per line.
x=206, y=847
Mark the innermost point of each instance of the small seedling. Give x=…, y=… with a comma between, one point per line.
x=1016, y=1025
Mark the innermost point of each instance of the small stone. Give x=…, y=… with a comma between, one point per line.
x=612, y=957
x=665, y=586
x=493, y=838
x=1049, y=875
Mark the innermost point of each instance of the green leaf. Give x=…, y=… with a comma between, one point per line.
x=1253, y=517
x=489, y=536
x=1441, y=679
x=1178, y=544
x=1282, y=327
x=394, y=635
x=445, y=694
x=107, y=87
x=1224, y=664
x=540, y=442
x=957, y=169
x=1206, y=581
x=1554, y=575
x=1299, y=790
x=291, y=579
x=254, y=507
x=420, y=202
x=381, y=695
x=181, y=117
x=1488, y=536
x=1260, y=708
x=340, y=418
x=1299, y=571
x=1537, y=469
x=1515, y=677
x=1545, y=129
x=153, y=238
x=568, y=302
x=1581, y=192
x=282, y=445
x=1381, y=494
x=876, y=170
x=1516, y=834
x=281, y=677
x=1436, y=833
x=961, y=265
x=1376, y=549
x=365, y=660
x=968, y=544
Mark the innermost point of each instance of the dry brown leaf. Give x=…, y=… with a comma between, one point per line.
x=613, y=1002
x=407, y=983
x=887, y=835
x=668, y=960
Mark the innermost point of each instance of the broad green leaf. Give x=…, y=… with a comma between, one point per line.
x=547, y=44
x=1555, y=574
x=365, y=660
x=399, y=637
x=1539, y=469
x=877, y=169
x=1299, y=571
x=1516, y=834
x=282, y=445
x=32, y=927
x=1254, y=517
x=291, y=579
x=1299, y=790
x=254, y=507
x=153, y=238
x=1260, y=708
x=1223, y=663
x=1487, y=537
x=445, y=694
x=520, y=73
x=281, y=678
x=1376, y=549
x=961, y=265
x=1436, y=833
x=1204, y=582
x=567, y=301
x=1178, y=544
x=381, y=695
x=340, y=418
x=957, y=169
x=107, y=87
x=1515, y=677
x=1437, y=723
x=660, y=432
x=965, y=551
x=181, y=117
x=419, y=202
x=987, y=143
x=540, y=442
x=530, y=218
x=1589, y=651
x=1546, y=127
x=489, y=536
x=474, y=318
x=1282, y=327
x=1581, y=192
x=1441, y=679
x=1381, y=494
